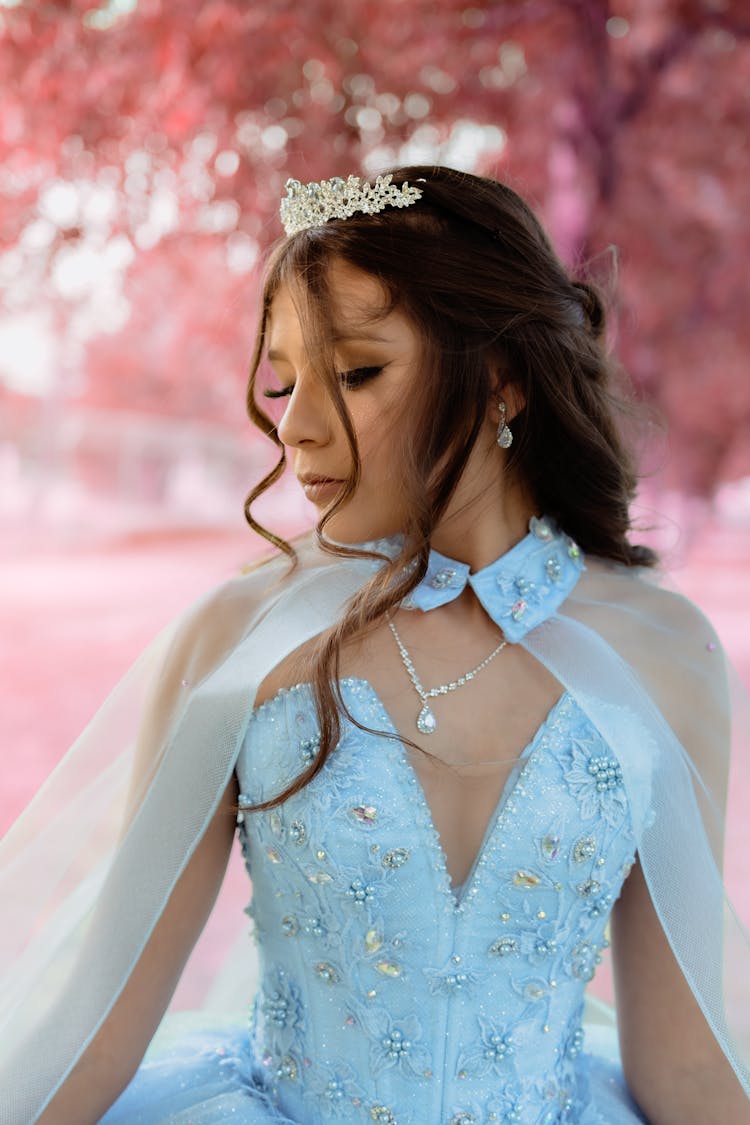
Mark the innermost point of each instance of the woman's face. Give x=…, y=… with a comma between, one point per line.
x=377, y=363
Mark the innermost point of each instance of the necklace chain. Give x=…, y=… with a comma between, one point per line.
x=426, y=721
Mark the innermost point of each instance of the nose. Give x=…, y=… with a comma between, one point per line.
x=308, y=418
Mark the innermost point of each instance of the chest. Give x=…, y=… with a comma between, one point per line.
x=484, y=728
x=364, y=825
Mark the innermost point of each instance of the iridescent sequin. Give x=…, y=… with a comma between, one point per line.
x=388, y=968
x=518, y=609
x=366, y=814
x=525, y=879
x=319, y=878
x=373, y=941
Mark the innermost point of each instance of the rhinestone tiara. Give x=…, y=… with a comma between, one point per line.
x=311, y=205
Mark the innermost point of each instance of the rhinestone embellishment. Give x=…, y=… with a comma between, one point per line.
x=326, y=972
x=373, y=941
x=367, y=814
x=518, y=610
x=553, y=569
x=396, y=858
x=298, y=832
x=388, y=968
x=442, y=578
x=584, y=849
x=313, y=204
x=540, y=528
x=287, y=1068
x=381, y=1115
x=525, y=879
x=504, y=947
x=426, y=721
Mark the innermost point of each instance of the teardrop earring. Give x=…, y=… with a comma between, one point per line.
x=504, y=435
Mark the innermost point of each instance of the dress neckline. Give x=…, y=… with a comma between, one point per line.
x=512, y=788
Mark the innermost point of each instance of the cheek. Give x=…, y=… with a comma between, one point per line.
x=378, y=438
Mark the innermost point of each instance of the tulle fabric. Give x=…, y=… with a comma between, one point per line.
x=615, y=638
x=196, y=1077
x=207, y=1074
x=106, y=839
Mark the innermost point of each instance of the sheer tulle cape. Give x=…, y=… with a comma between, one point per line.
x=89, y=866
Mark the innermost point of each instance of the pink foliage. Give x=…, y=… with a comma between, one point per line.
x=627, y=130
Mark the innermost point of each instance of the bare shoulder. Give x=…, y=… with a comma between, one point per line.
x=665, y=638
x=647, y=597
x=227, y=611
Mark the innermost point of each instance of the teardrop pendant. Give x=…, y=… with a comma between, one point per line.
x=426, y=721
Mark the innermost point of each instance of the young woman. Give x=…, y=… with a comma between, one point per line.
x=465, y=733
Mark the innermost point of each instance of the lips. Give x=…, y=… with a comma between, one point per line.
x=318, y=489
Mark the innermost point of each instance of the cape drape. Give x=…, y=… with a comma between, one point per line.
x=87, y=870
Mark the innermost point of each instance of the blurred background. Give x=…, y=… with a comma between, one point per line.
x=144, y=146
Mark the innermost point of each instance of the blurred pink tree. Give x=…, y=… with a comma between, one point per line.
x=153, y=139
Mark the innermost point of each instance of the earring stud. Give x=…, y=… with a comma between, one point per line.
x=504, y=435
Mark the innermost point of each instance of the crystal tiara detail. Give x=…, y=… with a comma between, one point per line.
x=311, y=205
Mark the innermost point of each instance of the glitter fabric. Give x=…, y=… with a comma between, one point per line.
x=385, y=994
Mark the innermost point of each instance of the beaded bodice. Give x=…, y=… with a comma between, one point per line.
x=385, y=995
x=384, y=998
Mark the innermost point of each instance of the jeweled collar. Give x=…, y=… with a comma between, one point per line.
x=519, y=590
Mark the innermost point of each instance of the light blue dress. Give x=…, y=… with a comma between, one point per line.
x=385, y=994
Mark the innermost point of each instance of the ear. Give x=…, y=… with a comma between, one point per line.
x=503, y=387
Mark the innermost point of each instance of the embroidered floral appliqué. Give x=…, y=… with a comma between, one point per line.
x=595, y=780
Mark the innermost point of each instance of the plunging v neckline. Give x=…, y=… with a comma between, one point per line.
x=511, y=787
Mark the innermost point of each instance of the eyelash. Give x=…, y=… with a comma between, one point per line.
x=351, y=380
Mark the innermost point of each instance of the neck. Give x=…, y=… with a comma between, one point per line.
x=479, y=529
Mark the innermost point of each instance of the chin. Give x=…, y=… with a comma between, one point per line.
x=344, y=529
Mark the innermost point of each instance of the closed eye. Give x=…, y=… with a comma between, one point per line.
x=282, y=392
x=350, y=380
x=353, y=379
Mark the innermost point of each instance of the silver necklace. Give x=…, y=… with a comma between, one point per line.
x=426, y=721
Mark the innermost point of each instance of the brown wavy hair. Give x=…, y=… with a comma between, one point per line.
x=474, y=271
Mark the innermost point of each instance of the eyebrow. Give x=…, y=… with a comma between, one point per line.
x=338, y=338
